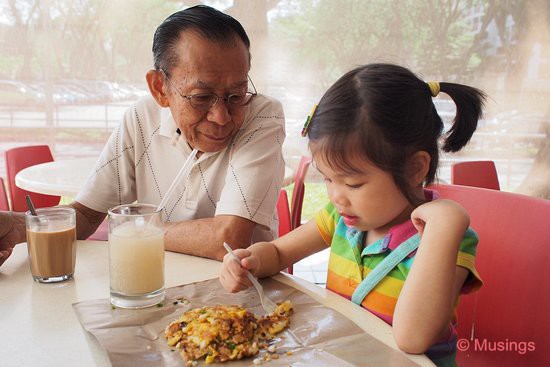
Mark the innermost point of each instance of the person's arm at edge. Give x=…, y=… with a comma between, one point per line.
x=12, y=232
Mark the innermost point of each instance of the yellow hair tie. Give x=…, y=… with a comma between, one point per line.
x=308, y=121
x=434, y=88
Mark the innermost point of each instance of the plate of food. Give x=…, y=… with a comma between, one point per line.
x=223, y=333
x=200, y=324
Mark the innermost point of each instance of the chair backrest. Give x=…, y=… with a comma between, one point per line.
x=508, y=317
x=18, y=159
x=475, y=173
x=4, y=204
x=298, y=192
x=283, y=213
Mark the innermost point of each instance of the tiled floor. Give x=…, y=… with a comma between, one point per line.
x=313, y=268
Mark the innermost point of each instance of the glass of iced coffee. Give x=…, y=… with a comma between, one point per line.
x=136, y=255
x=51, y=242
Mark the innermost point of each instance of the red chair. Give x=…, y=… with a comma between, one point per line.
x=4, y=204
x=283, y=212
x=298, y=195
x=475, y=173
x=18, y=159
x=298, y=192
x=506, y=322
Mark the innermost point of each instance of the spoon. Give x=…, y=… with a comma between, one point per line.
x=30, y=205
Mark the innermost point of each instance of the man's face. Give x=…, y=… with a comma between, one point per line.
x=206, y=67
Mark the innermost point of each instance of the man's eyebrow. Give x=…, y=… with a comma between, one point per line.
x=202, y=84
x=242, y=83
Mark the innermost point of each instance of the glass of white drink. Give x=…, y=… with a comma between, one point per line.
x=136, y=255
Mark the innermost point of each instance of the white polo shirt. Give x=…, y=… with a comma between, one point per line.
x=144, y=154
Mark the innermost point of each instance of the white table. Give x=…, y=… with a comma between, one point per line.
x=63, y=177
x=66, y=177
x=40, y=328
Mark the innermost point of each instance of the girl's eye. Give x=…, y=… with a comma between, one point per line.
x=326, y=180
x=354, y=186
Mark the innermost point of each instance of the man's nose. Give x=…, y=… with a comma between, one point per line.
x=219, y=113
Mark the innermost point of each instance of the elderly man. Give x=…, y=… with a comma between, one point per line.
x=201, y=98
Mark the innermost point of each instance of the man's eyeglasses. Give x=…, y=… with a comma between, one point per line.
x=205, y=101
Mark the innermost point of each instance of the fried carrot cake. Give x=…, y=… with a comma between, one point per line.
x=222, y=333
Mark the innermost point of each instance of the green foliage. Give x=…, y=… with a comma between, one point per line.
x=112, y=39
x=78, y=39
x=65, y=200
x=334, y=36
x=315, y=198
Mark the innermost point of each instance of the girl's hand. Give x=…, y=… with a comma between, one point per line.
x=233, y=274
x=443, y=211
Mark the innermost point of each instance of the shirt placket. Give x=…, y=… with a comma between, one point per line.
x=355, y=239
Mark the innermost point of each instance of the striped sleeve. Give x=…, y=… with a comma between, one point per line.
x=466, y=259
x=326, y=220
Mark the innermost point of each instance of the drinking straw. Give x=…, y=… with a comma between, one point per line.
x=184, y=171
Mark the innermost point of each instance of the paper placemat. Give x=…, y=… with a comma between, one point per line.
x=316, y=334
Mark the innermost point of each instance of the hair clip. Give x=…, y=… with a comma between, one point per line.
x=434, y=88
x=308, y=121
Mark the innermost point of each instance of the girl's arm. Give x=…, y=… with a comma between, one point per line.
x=263, y=259
x=426, y=302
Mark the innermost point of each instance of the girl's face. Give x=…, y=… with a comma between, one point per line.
x=368, y=200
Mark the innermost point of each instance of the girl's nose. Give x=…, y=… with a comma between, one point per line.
x=219, y=113
x=337, y=196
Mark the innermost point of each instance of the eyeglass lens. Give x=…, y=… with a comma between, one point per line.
x=208, y=100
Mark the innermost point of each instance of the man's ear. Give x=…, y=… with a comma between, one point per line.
x=419, y=165
x=155, y=81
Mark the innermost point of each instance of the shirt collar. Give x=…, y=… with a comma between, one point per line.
x=395, y=236
x=169, y=129
x=168, y=126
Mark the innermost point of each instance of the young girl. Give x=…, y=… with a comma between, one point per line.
x=374, y=137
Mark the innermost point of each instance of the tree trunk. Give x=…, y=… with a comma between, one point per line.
x=253, y=17
x=537, y=181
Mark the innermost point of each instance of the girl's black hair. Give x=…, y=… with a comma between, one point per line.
x=385, y=113
x=205, y=21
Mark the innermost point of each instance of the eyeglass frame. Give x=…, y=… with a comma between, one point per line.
x=225, y=99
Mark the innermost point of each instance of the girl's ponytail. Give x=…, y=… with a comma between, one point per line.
x=469, y=103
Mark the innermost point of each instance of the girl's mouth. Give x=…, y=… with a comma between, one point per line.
x=350, y=220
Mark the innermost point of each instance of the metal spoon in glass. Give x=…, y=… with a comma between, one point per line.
x=30, y=205
x=268, y=305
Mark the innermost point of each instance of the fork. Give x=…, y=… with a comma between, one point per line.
x=268, y=305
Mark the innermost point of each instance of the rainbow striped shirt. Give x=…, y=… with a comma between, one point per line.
x=349, y=263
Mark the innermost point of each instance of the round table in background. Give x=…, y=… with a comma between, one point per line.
x=66, y=177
